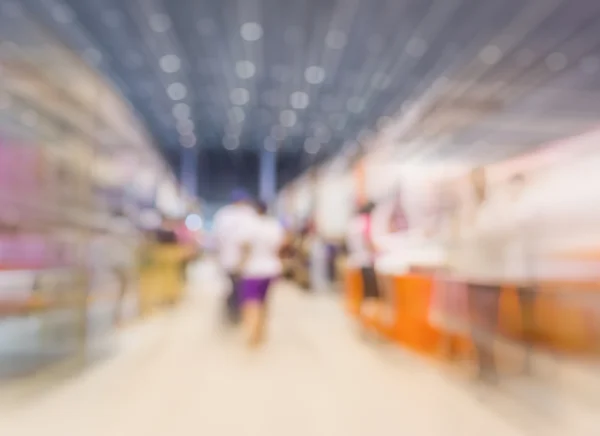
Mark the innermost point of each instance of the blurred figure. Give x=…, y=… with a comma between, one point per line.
x=361, y=255
x=481, y=263
x=520, y=258
x=260, y=265
x=228, y=222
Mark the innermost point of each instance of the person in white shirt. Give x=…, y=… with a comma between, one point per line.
x=361, y=255
x=263, y=238
x=480, y=263
x=228, y=223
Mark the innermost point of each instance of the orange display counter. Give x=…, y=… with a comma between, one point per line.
x=566, y=315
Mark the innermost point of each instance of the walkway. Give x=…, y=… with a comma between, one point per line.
x=182, y=374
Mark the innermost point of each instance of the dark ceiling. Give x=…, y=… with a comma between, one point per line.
x=466, y=78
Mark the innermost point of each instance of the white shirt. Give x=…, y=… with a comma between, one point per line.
x=359, y=252
x=264, y=236
x=229, y=223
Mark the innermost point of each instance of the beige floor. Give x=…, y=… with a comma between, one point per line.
x=182, y=374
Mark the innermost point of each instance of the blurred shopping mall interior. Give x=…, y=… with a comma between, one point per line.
x=434, y=275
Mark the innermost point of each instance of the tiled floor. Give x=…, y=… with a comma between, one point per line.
x=183, y=374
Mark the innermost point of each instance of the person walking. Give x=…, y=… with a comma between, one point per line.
x=228, y=222
x=260, y=265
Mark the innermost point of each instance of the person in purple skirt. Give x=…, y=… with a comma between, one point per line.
x=260, y=265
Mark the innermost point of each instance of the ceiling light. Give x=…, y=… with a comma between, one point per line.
x=299, y=100
x=335, y=39
x=490, y=55
x=193, y=222
x=288, y=118
x=237, y=115
x=160, y=23
x=63, y=14
x=556, y=61
x=170, y=63
x=231, y=143
x=356, y=105
x=177, y=91
x=314, y=75
x=188, y=141
x=270, y=144
x=416, y=47
x=245, y=69
x=181, y=111
x=251, y=31
x=239, y=96
x=312, y=146
x=185, y=127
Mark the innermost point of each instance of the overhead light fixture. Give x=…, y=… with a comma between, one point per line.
x=270, y=144
x=314, y=75
x=193, y=222
x=177, y=91
x=181, y=111
x=312, y=146
x=239, y=96
x=490, y=55
x=170, y=63
x=251, y=31
x=231, y=143
x=185, y=127
x=245, y=69
x=299, y=100
x=160, y=23
x=188, y=141
x=236, y=115
x=288, y=118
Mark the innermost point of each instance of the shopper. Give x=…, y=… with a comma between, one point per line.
x=520, y=259
x=228, y=223
x=263, y=239
x=481, y=266
x=361, y=255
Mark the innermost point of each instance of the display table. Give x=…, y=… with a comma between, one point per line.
x=566, y=314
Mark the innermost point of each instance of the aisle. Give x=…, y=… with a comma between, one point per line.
x=182, y=374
